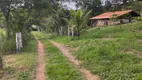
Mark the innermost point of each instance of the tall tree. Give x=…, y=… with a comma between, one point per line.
x=94, y=5
x=121, y=4
x=107, y=6
x=6, y=6
x=137, y=6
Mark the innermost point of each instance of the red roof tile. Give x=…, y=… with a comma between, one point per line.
x=108, y=15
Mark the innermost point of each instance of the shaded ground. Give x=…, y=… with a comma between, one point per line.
x=72, y=59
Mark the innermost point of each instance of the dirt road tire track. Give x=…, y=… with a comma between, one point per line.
x=72, y=59
x=40, y=67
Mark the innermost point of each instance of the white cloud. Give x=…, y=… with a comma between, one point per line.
x=70, y=5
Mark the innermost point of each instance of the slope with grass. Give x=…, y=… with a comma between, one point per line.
x=57, y=66
x=113, y=52
x=20, y=66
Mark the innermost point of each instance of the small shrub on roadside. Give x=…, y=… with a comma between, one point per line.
x=23, y=76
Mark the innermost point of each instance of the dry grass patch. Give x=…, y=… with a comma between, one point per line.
x=20, y=66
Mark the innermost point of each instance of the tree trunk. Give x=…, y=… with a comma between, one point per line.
x=72, y=31
x=130, y=19
x=55, y=31
x=68, y=31
x=78, y=32
x=140, y=12
x=1, y=63
x=7, y=27
x=6, y=15
x=61, y=32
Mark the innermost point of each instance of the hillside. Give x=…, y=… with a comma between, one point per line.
x=113, y=52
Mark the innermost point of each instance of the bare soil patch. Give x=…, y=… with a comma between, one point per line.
x=40, y=68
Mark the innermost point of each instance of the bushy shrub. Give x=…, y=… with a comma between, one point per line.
x=6, y=46
x=20, y=22
x=26, y=36
x=23, y=76
x=139, y=19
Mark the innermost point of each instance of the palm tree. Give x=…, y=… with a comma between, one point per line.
x=80, y=20
x=70, y=24
x=55, y=21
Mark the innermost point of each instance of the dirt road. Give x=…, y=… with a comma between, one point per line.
x=76, y=62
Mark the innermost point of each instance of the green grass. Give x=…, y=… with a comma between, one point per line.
x=113, y=52
x=42, y=36
x=109, y=59
x=20, y=66
x=131, y=30
x=2, y=31
x=57, y=66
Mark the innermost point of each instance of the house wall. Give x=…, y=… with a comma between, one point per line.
x=99, y=23
x=104, y=22
x=125, y=20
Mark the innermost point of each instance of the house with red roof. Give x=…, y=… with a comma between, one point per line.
x=113, y=18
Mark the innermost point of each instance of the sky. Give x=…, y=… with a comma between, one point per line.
x=72, y=5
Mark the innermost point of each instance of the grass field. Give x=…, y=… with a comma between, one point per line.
x=2, y=31
x=20, y=66
x=57, y=66
x=113, y=52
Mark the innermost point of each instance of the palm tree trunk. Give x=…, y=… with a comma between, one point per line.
x=72, y=31
x=78, y=32
x=55, y=31
x=61, y=32
x=68, y=31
